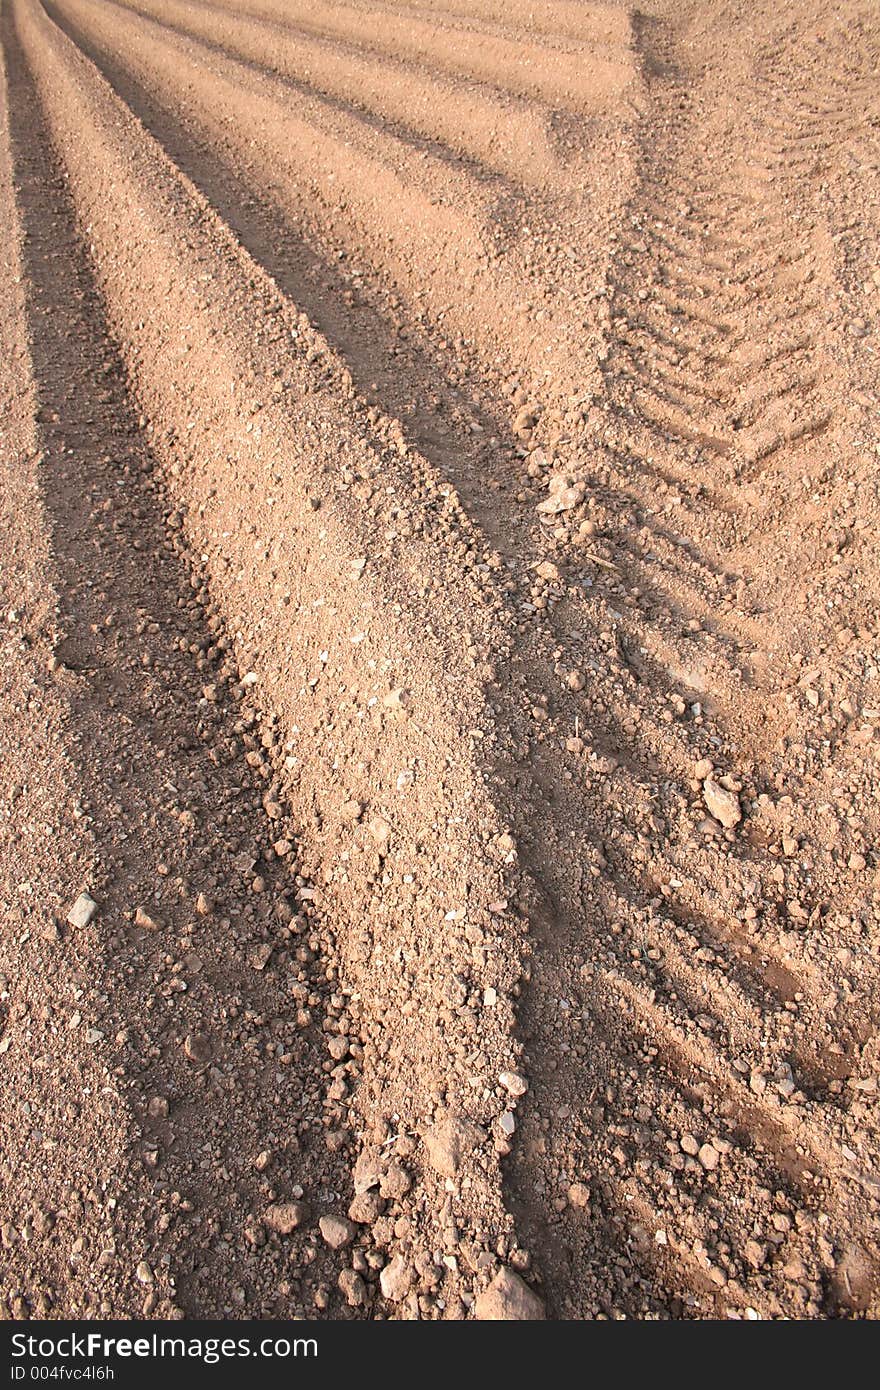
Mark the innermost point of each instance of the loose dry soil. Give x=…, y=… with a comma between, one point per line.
x=439, y=623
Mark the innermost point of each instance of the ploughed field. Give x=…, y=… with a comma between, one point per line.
x=439, y=659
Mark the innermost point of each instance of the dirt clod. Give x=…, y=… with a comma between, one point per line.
x=722, y=804
x=508, y=1298
x=285, y=1217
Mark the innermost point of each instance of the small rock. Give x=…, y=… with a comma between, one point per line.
x=508, y=1299
x=337, y=1232
x=366, y=1208
x=722, y=804
x=204, y=906
x=367, y=1170
x=398, y=699
x=145, y=919
x=158, y=1108
x=562, y=499
x=260, y=955
x=396, y=1279
x=380, y=831
x=143, y=1273
x=755, y=1254
x=83, y=911
x=708, y=1156
x=579, y=1195
x=547, y=570
x=353, y=1288
x=284, y=1217
x=514, y=1083
x=395, y=1182
x=689, y=1145
x=524, y=422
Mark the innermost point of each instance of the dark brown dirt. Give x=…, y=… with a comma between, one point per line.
x=439, y=587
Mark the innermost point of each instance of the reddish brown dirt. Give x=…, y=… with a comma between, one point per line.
x=438, y=553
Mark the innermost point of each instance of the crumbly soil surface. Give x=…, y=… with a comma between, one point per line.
x=439, y=576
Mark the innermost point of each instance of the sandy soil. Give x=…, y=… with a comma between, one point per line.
x=438, y=605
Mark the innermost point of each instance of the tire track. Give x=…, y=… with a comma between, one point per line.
x=760, y=397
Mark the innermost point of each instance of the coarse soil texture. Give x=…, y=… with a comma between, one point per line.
x=439, y=659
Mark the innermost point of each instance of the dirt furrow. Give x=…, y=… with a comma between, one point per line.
x=70, y=1182
x=373, y=843
x=440, y=236
x=196, y=1030
x=546, y=573
x=553, y=70
x=459, y=119
x=592, y=24
x=648, y=666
